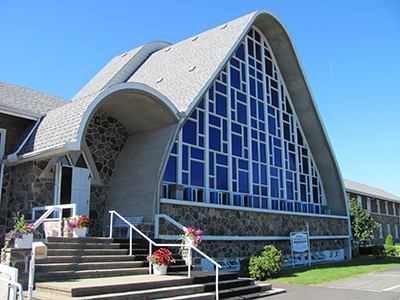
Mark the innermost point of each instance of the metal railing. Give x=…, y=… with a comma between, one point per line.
x=152, y=243
x=49, y=210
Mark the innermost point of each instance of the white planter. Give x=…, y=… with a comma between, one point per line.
x=159, y=269
x=185, y=256
x=25, y=242
x=189, y=242
x=79, y=232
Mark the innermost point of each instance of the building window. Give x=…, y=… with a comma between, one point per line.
x=387, y=207
x=2, y=147
x=388, y=230
x=380, y=231
x=378, y=207
x=359, y=200
x=369, y=205
x=244, y=138
x=396, y=227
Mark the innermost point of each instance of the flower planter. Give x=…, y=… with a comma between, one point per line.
x=189, y=242
x=159, y=269
x=79, y=232
x=185, y=256
x=25, y=242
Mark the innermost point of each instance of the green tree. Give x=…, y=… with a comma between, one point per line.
x=362, y=223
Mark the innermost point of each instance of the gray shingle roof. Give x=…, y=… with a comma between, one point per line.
x=366, y=190
x=206, y=53
x=27, y=102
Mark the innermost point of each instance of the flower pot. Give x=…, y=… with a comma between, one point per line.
x=79, y=232
x=185, y=256
x=189, y=242
x=159, y=269
x=25, y=242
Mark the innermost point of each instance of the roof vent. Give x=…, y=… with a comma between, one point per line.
x=195, y=38
x=224, y=26
x=192, y=68
x=159, y=80
x=167, y=49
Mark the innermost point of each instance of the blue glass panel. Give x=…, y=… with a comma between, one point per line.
x=193, y=115
x=275, y=98
x=236, y=200
x=243, y=164
x=264, y=191
x=256, y=202
x=277, y=142
x=303, y=192
x=245, y=136
x=254, y=150
x=241, y=113
x=304, y=207
x=263, y=155
x=255, y=173
x=220, y=88
x=274, y=171
x=275, y=204
x=197, y=153
x=185, y=178
x=221, y=105
x=243, y=182
x=305, y=165
x=311, y=208
x=236, y=145
x=225, y=148
x=268, y=67
x=283, y=205
x=252, y=72
x=289, y=175
x=185, y=157
x=222, y=178
x=264, y=203
x=261, y=126
x=253, y=107
x=256, y=190
x=236, y=128
x=189, y=132
x=260, y=111
x=243, y=73
x=252, y=87
x=317, y=209
x=290, y=206
x=254, y=132
x=201, y=141
x=261, y=136
x=201, y=104
x=251, y=61
x=201, y=122
x=246, y=153
x=235, y=78
x=222, y=159
x=173, y=149
x=271, y=125
x=225, y=130
x=250, y=201
x=241, y=97
x=211, y=163
x=271, y=110
x=289, y=190
x=187, y=194
x=250, y=47
x=214, y=197
x=234, y=169
x=286, y=131
x=235, y=62
x=240, y=52
x=258, y=51
x=211, y=93
x=170, y=172
x=274, y=187
x=215, y=139
x=212, y=183
x=211, y=107
x=196, y=173
x=277, y=157
x=234, y=186
x=223, y=76
x=260, y=91
x=292, y=162
x=263, y=173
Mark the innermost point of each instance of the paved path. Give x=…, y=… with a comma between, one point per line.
x=382, y=285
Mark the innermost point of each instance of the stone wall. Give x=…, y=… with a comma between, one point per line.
x=385, y=220
x=105, y=138
x=23, y=188
x=241, y=223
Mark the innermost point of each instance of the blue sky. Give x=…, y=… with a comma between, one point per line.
x=350, y=51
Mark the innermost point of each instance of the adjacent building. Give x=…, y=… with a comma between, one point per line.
x=219, y=132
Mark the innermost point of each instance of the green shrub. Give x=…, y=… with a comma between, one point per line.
x=389, y=240
x=392, y=250
x=267, y=265
x=379, y=251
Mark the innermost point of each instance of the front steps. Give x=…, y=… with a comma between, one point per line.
x=97, y=268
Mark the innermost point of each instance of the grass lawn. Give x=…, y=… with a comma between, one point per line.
x=321, y=273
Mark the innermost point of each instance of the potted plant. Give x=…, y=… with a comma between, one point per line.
x=78, y=225
x=190, y=237
x=22, y=234
x=160, y=260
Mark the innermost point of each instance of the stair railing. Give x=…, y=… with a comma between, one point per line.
x=49, y=210
x=152, y=243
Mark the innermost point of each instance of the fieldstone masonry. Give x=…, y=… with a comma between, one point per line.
x=229, y=222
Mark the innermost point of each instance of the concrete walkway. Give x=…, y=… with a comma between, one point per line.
x=381, y=285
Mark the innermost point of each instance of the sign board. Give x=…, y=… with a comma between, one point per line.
x=300, y=242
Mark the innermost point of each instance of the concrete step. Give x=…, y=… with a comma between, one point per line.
x=91, y=258
x=50, y=267
x=56, y=245
x=80, y=240
x=81, y=252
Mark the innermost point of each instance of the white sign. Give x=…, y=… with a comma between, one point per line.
x=300, y=242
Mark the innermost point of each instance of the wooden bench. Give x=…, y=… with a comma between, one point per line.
x=119, y=223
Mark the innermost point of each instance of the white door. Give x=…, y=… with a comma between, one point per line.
x=80, y=190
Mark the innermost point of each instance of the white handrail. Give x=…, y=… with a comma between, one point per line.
x=151, y=243
x=49, y=210
x=15, y=284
